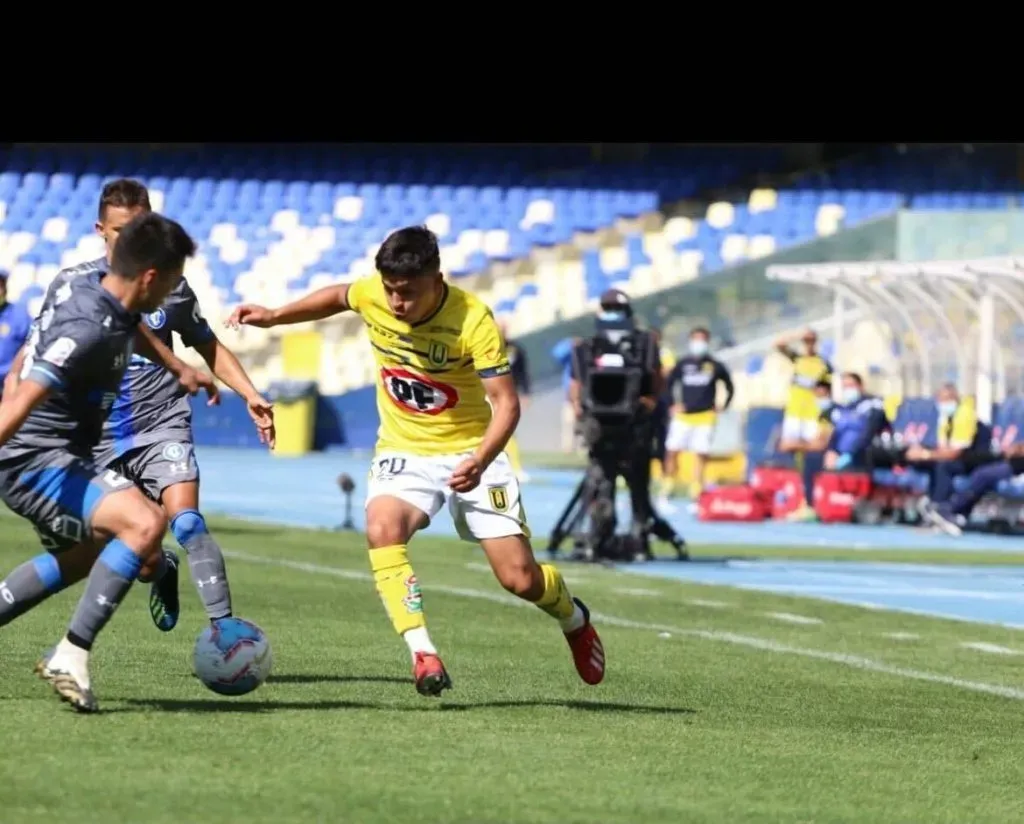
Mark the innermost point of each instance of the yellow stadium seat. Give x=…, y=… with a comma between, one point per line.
x=734, y=248
x=721, y=214
x=829, y=218
x=762, y=200
x=760, y=246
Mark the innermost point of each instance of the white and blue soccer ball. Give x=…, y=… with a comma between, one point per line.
x=232, y=656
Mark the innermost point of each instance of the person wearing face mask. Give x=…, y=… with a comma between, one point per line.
x=959, y=449
x=692, y=386
x=800, y=421
x=14, y=328
x=856, y=421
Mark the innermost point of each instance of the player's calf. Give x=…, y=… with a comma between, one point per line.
x=33, y=582
x=136, y=527
x=390, y=522
x=28, y=586
x=205, y=561
x=511, y=558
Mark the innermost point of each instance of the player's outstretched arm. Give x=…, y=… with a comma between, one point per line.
x=14, y=374
x=323, y=303
x=226, y=367
x=16, y=409
x=193, y=380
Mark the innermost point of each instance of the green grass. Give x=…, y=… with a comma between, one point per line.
x=712, y=711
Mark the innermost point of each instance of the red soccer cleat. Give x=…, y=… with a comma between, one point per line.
x=587, y=649
x=431, y=677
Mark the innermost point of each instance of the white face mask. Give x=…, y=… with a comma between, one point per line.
x=698, y=347
x=824, y=403
x=947, y=409
x=851, y=394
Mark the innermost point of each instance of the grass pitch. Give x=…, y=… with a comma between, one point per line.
x=715, y=708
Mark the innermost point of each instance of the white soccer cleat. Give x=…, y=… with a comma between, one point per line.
x=66, y=669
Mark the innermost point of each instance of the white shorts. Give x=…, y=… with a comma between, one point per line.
x=688, y=437
x=799, y=429
x=492, y=510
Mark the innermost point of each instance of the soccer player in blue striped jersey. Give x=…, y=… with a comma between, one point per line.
x=92, y=520
x=148, y=435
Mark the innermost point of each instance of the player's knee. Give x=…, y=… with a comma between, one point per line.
x=524, y=580
x=187, y=525
x=517, y=572
x=381, y=531
x=145, y=530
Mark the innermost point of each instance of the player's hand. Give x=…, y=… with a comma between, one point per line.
x=249, y=314
x=648, y=403
x=466, y=476
x=262, y=413
x=195, y=380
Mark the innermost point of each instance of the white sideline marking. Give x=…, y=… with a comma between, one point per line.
x=995, y=649
x=703, y=602
x=791, y=618
x=902, y=636
x=473, y=565
x=643, y=593
x=765, y=644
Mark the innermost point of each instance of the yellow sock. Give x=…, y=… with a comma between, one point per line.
x=556, y=600
x=398, y=588
x=512, y=450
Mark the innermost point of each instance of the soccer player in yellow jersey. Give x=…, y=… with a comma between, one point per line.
x=800, y=419
x=448, y=406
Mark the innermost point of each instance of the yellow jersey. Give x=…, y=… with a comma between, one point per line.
x=808, y=370
x=959, y=430
x=430, y=393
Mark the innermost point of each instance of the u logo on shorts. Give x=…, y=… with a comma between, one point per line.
x=499, y=498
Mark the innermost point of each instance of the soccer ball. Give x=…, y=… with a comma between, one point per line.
x=232, y=656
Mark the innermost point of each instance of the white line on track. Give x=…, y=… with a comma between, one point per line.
x=764, y=644
x=638, y=591
x=791, y=618
x=984, y=646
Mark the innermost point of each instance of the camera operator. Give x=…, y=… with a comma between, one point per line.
x=616, y=380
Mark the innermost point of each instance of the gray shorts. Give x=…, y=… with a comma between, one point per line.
x=155, y=460
x=58, y=492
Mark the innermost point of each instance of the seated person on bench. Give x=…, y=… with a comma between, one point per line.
x=959, y=448
x=856, y=420
x=952, y=515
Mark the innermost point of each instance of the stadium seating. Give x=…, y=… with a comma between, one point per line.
x=275, y=222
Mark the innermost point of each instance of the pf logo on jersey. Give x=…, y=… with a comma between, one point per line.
x=156, y=319
x=418, y=393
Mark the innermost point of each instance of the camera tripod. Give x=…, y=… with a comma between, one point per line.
x=585, y=497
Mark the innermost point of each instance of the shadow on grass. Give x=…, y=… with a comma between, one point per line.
x=311, y=678
x=211, y=705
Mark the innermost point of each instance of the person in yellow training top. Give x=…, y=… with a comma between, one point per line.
x=448, y=406
x=958, y=450
x=520, y=371
x=800, y=419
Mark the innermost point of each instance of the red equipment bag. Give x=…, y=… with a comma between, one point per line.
x=732, y=503
x=782, y=488
x=837, y=493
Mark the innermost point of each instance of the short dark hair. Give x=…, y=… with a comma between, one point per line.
x=408, y=253
x=123, y=193
x=700, y=330
x=824, y=383
x=855, y=377
x=150, y=241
